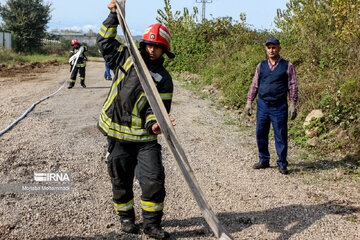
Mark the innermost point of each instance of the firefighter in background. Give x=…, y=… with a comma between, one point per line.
x=131, y=127
x=80, y=65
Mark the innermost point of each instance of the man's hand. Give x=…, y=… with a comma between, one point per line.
x=292, y=111
x=156, y=128
x=248, y=108
x=112, y=6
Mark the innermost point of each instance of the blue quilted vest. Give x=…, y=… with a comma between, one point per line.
x=273, y=85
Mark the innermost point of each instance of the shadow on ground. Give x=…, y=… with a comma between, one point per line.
x=286, y=220
x=109, y=236
x=95, y=87
x=350, y=162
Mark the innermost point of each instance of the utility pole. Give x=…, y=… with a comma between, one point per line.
x=204, y=2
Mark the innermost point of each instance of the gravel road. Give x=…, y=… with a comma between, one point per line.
x=60, y=136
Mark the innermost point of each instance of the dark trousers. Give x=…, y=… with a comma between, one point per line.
x=146, y=158
x=277, y=116
x=81, y=71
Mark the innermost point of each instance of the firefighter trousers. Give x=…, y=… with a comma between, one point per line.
x=122, y=161
x=81, y=71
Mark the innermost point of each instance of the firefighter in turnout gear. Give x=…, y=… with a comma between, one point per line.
x=80, y=65
x=131, y=127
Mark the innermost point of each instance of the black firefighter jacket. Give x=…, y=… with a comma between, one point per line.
x=126, y=115
x=82, y=58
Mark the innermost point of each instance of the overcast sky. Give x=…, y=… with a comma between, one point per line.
x=89, y=14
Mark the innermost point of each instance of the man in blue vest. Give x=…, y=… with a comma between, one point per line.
x=273, y=80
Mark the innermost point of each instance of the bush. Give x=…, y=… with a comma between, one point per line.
x=325, y=54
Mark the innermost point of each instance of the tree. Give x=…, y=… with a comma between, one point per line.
x=322, y=27
x=347, y=20
x=26, y=20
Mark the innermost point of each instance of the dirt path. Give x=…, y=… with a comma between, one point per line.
x=60, y=135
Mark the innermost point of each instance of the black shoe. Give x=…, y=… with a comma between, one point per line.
x=283, y=170
x=71, y=85
x=128, y=226
x=156, y=232
x=83, y=85
x=260, y=165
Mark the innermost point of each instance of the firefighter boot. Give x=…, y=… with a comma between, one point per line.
x=128, y=225
x=71, y=85
x=127, y=220
x=156, y=232
x=82, y=82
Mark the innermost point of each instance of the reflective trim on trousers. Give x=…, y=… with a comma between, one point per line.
x=151, y=206
x=124, y=206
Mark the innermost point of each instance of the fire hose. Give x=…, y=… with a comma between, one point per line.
x=73, y=60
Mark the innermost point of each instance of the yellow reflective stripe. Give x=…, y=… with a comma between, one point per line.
x=120, y=48
x=124, y=206
x=107, y=32
x=121, y=76
x=81, y=64
x=150, y=117
x=72, y=80
x=129, y=62
x=111, y=125
x=139, y=105
x=151, y=206
x=113, y=92
x=124, y=136
x=123, y=132
x=131, y=138
x=127, y=137
x=166, y=96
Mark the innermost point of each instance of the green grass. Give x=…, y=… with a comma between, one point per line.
x=11, y=58
x=353, y=219
x=42, y=58
x=213, y=113
x=232, y=122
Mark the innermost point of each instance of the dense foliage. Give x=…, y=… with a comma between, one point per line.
x=321, y=38
x=26, y=20
x=223, y=51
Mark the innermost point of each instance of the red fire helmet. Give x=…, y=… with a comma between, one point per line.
x=158, y=34
x=74, y=41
